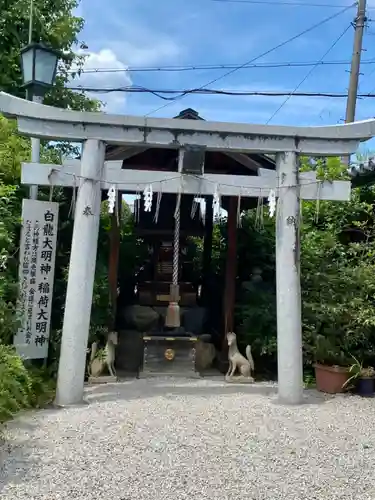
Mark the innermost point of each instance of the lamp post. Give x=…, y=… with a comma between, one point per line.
x=39, y=65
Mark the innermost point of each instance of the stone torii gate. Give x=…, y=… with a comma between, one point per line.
x=96, y=130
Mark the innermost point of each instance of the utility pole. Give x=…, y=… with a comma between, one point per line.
x=356, y=61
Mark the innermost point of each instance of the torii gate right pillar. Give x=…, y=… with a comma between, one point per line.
x=288, y=283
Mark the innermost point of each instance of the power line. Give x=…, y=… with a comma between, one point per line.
x=276, y=2
x=199, y=67
x=368, y=76
x=309, y=73
x=373, y=89
x=289, y=40
x=266, y=93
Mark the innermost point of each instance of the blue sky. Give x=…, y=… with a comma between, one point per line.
x=180, y=32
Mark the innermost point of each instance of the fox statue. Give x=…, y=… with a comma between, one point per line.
x=237, y=361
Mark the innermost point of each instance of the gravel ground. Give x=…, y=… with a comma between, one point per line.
x=176, y=439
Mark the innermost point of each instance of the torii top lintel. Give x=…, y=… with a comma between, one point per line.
x=46, y=122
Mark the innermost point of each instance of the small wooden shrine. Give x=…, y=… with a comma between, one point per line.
x=147, y=342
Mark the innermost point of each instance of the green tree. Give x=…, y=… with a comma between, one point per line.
x=56, y=26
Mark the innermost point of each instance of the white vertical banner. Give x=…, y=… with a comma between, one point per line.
x=36, y=277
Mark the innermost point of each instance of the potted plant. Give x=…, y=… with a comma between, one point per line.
x=361, y=378
x=331, y=371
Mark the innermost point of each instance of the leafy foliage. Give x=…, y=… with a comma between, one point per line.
x=338, y=279
x=337, y=273
x=15, y=383
x=20, y=388
x=8, y=288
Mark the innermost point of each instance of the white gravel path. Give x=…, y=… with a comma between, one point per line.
x=177, y=439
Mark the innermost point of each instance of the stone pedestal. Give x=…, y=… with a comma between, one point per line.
x=106, y=379
x=129, y=352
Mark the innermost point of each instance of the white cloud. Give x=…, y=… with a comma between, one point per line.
x=156, y=50
x=150, y=50
x=140, y=43
x=105, y=59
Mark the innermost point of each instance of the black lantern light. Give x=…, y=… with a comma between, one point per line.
x=39, y=65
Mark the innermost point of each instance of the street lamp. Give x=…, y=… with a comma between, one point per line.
x=39, y=65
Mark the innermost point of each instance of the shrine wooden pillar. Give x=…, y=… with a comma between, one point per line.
x=207, y=246
x=231, y=268
x=114, y=254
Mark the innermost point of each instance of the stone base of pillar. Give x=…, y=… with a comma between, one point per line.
x=72, y=405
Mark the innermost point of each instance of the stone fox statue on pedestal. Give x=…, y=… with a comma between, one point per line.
x=107, y=358
x=237, y=361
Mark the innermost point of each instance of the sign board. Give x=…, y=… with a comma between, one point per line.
x=36, y=277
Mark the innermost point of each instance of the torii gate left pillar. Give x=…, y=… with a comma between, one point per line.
x=77, y=313
x=286, y=142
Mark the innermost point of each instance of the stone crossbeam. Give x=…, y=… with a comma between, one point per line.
x=46, y=122
x=171, y=182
